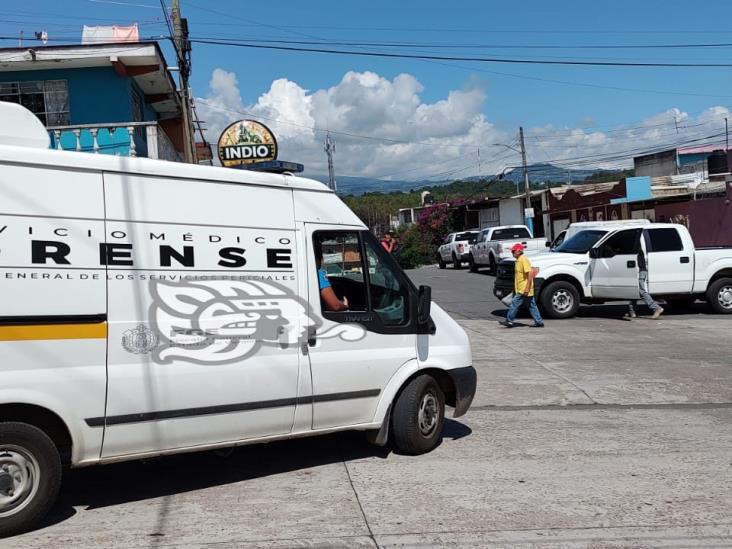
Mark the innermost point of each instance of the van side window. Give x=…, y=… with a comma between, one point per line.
x=389, y=296
x=341, y=265
x=665, y=240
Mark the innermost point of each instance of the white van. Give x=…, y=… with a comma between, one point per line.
x=151, y=307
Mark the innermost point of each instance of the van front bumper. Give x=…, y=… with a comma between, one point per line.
x=464, y=380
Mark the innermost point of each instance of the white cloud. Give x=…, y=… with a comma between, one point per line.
x=411, y=139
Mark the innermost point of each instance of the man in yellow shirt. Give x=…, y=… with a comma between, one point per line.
x=524, y=275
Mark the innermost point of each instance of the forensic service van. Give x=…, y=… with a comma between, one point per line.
x=151, y=307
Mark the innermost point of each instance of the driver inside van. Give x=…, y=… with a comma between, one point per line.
x=328, y=297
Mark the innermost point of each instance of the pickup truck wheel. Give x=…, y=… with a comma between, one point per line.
x=418, y=416
x=560, y=299
x=441, y=263
x=719, y=295
x=30, y=476
x=492, y=266
x=456, y=263
x=471, y=264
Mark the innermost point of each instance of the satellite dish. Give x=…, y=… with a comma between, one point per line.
x=21, y=128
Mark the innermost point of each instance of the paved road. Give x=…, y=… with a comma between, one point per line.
x=593, y=432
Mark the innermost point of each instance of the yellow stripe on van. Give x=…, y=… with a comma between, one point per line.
x=29, y=332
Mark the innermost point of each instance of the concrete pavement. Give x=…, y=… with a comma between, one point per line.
x=593, y=432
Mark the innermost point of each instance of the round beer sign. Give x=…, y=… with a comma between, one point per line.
x=247, y=142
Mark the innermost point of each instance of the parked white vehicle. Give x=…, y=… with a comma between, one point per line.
x=578, y=226
x=600, y=265
x=152, y=307
x=494, y=244
x=456, y=248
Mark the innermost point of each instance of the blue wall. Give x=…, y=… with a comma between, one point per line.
x=636, y=188
x=96, y=95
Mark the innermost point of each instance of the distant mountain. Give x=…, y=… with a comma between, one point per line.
x=360, y=185
x=538, y=173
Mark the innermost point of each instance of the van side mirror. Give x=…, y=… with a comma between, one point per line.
x=424, y=304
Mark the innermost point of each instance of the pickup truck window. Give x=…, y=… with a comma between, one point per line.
x=665, y=240
x=461, y=237
x=509, y=234
x=623, y=243
x=581, y=242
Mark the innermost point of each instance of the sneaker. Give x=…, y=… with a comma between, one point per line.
x=506, y=323
x=658, y=312
x=537, y=325
x=629, y=315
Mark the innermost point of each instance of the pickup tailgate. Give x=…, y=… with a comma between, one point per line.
x=531, y=245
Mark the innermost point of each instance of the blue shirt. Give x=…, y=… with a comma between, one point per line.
x=323, y=281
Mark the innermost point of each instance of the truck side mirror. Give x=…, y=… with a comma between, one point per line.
x=424, y=304
x=548, y=244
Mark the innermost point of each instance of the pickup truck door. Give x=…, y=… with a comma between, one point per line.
x=480, y=248
x=670, y=261
x=614, y=272
x=445, y=249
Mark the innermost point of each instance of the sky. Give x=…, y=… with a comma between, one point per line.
x=396, y=118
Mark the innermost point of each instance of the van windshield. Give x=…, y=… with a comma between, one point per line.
x=581, y=242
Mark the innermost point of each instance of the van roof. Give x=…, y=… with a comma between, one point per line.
x=87, y=161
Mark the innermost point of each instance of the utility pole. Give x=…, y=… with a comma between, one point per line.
x=183, y=50
x=529, y=220
x=329, y=148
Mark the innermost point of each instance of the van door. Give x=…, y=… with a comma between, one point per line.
x=204, y=313
x=53, y=307
x=614, y=274
x=354, y=353
x=670, y=266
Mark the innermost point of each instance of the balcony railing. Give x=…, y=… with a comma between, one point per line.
x=146, y=139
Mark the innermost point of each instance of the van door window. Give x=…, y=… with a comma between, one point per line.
x=358, y=269
x=339, y=261
x=389, y=296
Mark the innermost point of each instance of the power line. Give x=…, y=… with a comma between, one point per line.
x=461, y=58
x=438, y=45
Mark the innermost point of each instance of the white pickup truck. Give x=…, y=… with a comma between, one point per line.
x=600, y=265
x=456, y=248
x=494, y=244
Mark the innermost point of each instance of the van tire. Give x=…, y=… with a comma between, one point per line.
x=25, y=447
x=418, y=416
x=719, y=296
x=559, y=299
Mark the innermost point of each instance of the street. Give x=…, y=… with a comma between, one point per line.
x=594, y=432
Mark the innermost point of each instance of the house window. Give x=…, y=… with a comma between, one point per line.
x=47, y=99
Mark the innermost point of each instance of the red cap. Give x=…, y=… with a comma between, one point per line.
x=518, y=247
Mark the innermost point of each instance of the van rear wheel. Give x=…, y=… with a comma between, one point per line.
x=30, y=476
x=719, y=295
x=418, y=416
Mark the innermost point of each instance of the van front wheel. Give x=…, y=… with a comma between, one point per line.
x=30, y=476
x=418, y=416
